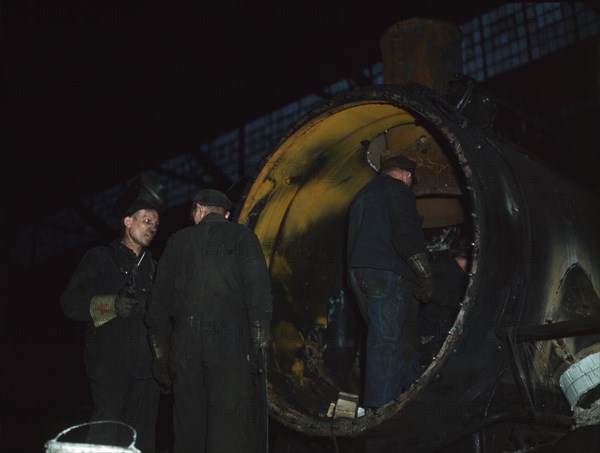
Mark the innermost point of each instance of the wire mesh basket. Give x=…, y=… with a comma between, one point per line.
x=57, y=446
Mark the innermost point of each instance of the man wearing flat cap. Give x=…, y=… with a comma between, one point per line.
x=208, y=317
x=389, y=273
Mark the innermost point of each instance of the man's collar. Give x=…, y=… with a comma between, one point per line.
x=117, y=244
x=213, y=216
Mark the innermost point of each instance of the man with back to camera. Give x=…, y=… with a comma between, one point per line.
x=389, y=273
x=208, y=318
x=108, y=290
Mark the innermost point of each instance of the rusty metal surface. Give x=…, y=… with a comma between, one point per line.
x=422, y=51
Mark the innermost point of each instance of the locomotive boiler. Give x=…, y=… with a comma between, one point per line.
x=520, y=364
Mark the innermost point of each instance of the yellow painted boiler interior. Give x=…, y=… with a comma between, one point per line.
x=297, y=206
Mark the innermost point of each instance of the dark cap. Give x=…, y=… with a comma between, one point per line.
x=397, y=161
x=145, y=192
x=140, y=204
x=211, y=197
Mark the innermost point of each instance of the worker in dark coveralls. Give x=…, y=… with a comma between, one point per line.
x=209, y=316
x=108, y=291
x=389, y=273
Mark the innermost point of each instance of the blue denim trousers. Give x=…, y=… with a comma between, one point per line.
x=390, y=309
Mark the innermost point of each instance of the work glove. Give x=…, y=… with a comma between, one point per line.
x=104, y=308
x=161, y=351
x=260, y=335
x=124, y=306
x=420, y=265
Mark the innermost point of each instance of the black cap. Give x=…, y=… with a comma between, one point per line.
x=145, y=192
x=211, y=197
x=397, y=161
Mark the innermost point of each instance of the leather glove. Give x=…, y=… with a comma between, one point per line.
x=260, y=335
x=420, y=265
x=161, y=351
x=124, y=306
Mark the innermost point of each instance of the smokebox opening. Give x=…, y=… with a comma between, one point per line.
x=297, y=205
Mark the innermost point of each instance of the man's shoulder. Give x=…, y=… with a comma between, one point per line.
x=97, y=255
x=382, y=187
x=376, y=185
x=240, y=229
x=181, y=234
x=100, y=250
x=225, y=226
x=237, y=232
x=382, y=181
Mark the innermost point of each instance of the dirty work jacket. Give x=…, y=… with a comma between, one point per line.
x=105, y=270
x=384, y=227
x=211, y=280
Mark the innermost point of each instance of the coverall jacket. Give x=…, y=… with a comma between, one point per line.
x=117, y=354
x=211, y=280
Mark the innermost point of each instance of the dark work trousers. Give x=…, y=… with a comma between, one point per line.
x=390, y=309
x=214, y=406
x=118, y=396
